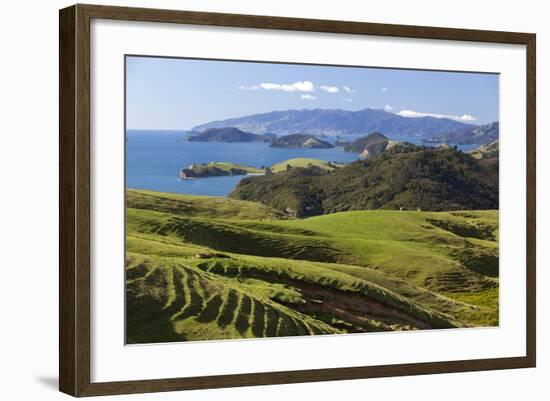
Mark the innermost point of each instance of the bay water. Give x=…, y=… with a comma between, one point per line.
x=154, y=159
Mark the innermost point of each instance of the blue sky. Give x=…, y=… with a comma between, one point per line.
x=169, y=93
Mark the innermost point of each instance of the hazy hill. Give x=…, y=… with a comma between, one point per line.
x=339, y=122
x=301, y=141
x=427, y=179
x=227, y=134
x=482, y=134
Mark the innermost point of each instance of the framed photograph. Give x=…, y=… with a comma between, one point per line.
x=250, y=200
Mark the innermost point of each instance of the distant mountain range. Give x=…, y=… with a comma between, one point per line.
x=340, y=122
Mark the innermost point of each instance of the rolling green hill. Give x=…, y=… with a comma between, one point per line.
x=199, y=206
x=212, y=268
x=304, y=162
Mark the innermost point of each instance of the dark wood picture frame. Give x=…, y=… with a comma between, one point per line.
x=74, y=203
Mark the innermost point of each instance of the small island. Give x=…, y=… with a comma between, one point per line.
x=300, y=141
x=228, y=135
x=375, y=143
x=216, y=169
x=221, y=169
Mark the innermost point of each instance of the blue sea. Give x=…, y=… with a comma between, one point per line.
x=155, y=158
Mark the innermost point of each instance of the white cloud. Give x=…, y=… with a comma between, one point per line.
x=384, y=89
x=330, y=89
x=308, y=97
x=467, y=117
x=412, y=114
x=248, y=88
x=300, y=86
x=388, y=107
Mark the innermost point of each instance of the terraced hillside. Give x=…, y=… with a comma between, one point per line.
x=205, y=268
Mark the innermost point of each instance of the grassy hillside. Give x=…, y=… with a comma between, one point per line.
x=489, y=151
x=426, y=179
x=212, y=268
x=226, y=166
x=198, y=205
x=304, y=162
